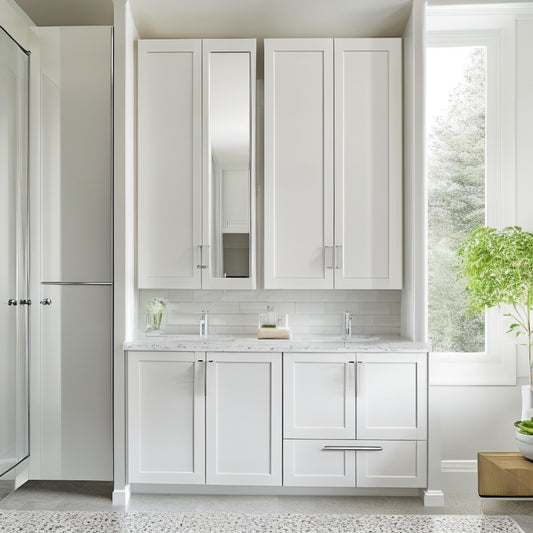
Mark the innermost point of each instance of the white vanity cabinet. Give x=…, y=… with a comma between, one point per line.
x=333, y=165
x=243, y=419
x=196, y=163
x=355, y=419
x=166, y=417
x=319, y=396
x=197, y=418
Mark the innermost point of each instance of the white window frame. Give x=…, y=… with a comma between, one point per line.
x=469, y=27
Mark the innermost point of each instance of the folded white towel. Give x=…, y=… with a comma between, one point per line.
x=273, y=333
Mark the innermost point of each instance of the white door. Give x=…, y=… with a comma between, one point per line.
x=298, y=163
x=243, y=419
x=169, y=115
x=368, y=164
x=166, y=417
x=318, y=463
x=392, y=464
x=318, y=396
x=392, y=396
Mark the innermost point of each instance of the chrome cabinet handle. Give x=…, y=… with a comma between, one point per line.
x=330, y=265
x=338, y=258
x=201, y=265
x=354, y=448
x=12, y=301
x=25, y=302
x=46, y=301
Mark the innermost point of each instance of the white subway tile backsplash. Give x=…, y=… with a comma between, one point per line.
x=311, y=308
x=339, y=308
x=311, y=312
x=374, y=309
x=389, y=296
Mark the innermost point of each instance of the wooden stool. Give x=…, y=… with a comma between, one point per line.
x=504, y=475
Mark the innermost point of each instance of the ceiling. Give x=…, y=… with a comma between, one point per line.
x=234, y=18
x=68, y=12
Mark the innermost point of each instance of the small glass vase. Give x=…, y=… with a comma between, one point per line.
x=154, y=323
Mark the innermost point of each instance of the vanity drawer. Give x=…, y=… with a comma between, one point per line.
x=306, y=463
x=354, y=463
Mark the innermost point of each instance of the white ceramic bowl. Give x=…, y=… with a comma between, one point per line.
x=525, y=445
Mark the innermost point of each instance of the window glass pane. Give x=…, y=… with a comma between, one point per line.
x=456, y=125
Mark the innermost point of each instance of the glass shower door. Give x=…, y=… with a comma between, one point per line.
x=14, y=302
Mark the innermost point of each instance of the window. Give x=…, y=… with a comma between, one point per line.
x=456, y=109
x=470, y=163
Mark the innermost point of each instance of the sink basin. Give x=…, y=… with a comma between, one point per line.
x=186, y=337
x=343, y=338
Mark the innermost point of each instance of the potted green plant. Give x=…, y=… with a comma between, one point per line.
x=498, y=269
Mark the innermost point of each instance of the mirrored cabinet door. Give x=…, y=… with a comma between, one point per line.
x=228, y=248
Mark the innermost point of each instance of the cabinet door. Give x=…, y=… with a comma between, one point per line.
x=368, y=164
x=166, y=417
x=169, y=164
x=392, y=396
x=392, y=464
x=243, y=419
x=298, y=163
x=229, y=163
x=316, y=463
x=76, y=154
x=76, y=372
x=318, y=396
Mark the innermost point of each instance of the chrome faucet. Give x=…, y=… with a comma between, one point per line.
x=347, y=324
x=204, y=324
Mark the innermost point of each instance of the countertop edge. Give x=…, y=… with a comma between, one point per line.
x=392, y=344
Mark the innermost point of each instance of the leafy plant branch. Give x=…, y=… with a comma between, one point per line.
x=498, y=269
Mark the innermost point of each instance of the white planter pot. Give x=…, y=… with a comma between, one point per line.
x=527, y=403
x=525, y=445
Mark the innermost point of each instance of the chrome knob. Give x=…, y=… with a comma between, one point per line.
x=46, y=301
x=12, y=301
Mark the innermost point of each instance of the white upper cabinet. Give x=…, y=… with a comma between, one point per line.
x=196, y=163
x=368, y=164
x=76, y=154
x=169, y=223
x=333, y=194
x=298, y=163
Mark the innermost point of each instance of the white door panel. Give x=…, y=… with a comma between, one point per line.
x=243, y=419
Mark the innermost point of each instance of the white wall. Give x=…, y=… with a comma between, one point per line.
x=125, y=304
x=16, y=22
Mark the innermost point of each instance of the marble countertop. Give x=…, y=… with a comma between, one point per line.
x=236, y=343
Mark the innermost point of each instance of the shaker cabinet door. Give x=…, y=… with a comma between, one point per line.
x=368, y=164
x=166, y=417
x=318, y=396
x=298, y=163
x=243, y=419
x=169, y=222
x=392, y=396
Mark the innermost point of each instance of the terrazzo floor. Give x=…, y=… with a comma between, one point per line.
x=96, y=496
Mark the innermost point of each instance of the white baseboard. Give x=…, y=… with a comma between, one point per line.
x=433, y=498
x=459, y=476
x=121, y=497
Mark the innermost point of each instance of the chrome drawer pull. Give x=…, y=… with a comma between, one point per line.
x=354, y=448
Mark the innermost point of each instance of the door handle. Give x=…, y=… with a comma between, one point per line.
x=46, y=301
x=25, y=302
x=353, y=448
x=338, y=257
x=12, y=301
